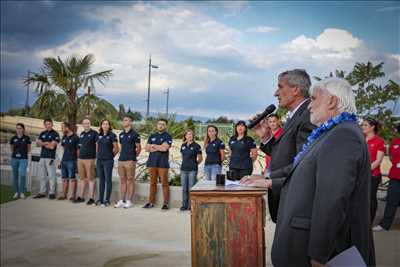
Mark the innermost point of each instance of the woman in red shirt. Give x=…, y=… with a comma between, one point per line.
x=376, y=149
x=275, y=124
x=393, y=193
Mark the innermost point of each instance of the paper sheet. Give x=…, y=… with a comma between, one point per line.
x=349, y=257
x=232, y=183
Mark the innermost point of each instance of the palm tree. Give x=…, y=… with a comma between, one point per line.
x=66, y=78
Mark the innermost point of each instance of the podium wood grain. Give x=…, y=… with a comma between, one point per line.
x=227, y=225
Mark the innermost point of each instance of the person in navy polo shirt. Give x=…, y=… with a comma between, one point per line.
x=130, y=150
x=87, y=162
x=215, y=153
x=107, y=148
x=158, y=145
x=20, y=146
x=243, y=152
x=68, y=164
x=191, y=158
x=48, y=141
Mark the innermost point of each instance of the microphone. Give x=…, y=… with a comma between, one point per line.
x=253, y=122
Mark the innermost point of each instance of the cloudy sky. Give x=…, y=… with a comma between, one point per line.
x=217, y=58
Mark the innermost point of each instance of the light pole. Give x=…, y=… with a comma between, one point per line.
x=166, y=109
x=148, y=87
x=27, y=94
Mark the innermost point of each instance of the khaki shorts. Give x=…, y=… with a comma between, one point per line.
x=127, y=169
x=87, y=169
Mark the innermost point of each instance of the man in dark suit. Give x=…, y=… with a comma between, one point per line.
x=324, y=205
x=292, y=93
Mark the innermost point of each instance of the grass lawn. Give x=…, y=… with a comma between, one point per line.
x=7, y=193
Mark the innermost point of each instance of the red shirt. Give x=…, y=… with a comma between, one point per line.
x=268, y=158
x=375, y=144
x=394, y=152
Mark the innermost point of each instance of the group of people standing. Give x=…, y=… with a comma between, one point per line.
x=91, y=154
x=322, y=172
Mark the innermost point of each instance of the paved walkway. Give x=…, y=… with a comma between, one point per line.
x=55, y=233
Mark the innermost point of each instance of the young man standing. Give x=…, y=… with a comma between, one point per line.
x=48, y=141
x=158, y=146
x=129, y=140
x=86, y=162
x=68, y=163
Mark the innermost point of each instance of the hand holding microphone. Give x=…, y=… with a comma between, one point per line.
x=259, y=124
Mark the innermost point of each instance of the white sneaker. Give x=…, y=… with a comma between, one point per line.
x=103, y=205
x=120, y=204
x=22, y=195
x=378, y=228
x=15, y=196
x=128, y=204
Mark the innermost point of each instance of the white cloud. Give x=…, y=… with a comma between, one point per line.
x=331, y=43
x=263, y=29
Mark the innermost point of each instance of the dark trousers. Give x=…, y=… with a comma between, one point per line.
x=392, y=202
x=240, y=173
x=376, y=180
x=104, y=171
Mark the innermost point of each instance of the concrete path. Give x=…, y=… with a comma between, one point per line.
x=59, y=233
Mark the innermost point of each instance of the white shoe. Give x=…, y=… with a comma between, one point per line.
x=128, y=204
x=103, y=205
x=378, y=228
x=120, y=204
x=16, y=196
x=22, y=195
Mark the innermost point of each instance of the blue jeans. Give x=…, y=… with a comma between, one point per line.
x=211, y=171
x=104, y=172
x=188, y=180
x=68, y=169
x=19, y=174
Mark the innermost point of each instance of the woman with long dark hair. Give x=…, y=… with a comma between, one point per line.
x=191, y=158
x=215, y=153
x=107, y=148
x=20, y=147
x=243, y=152
x=376, y=149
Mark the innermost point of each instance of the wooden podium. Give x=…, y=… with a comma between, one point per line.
x=227, y=225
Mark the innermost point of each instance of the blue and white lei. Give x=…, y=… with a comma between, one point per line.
x=325, y=127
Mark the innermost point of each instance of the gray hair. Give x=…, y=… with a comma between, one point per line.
x=342, y=90
x=299, y=78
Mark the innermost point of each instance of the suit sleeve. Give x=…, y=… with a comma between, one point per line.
x=337, y=166
x=303, y=132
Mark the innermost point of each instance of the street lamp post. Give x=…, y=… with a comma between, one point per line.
x=166, y=108
x=148, y=87
x=27, y=95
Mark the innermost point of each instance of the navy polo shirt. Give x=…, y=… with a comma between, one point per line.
x=189, y=156
x=159, y=159
x=240, y=152
x=128, y=141
x=49, y=136
x=212, y=152
x=20, y=146
x=87, y=144
x=70, y=145
x=105, y=145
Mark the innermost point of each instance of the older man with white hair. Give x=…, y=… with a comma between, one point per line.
x=324, y=205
